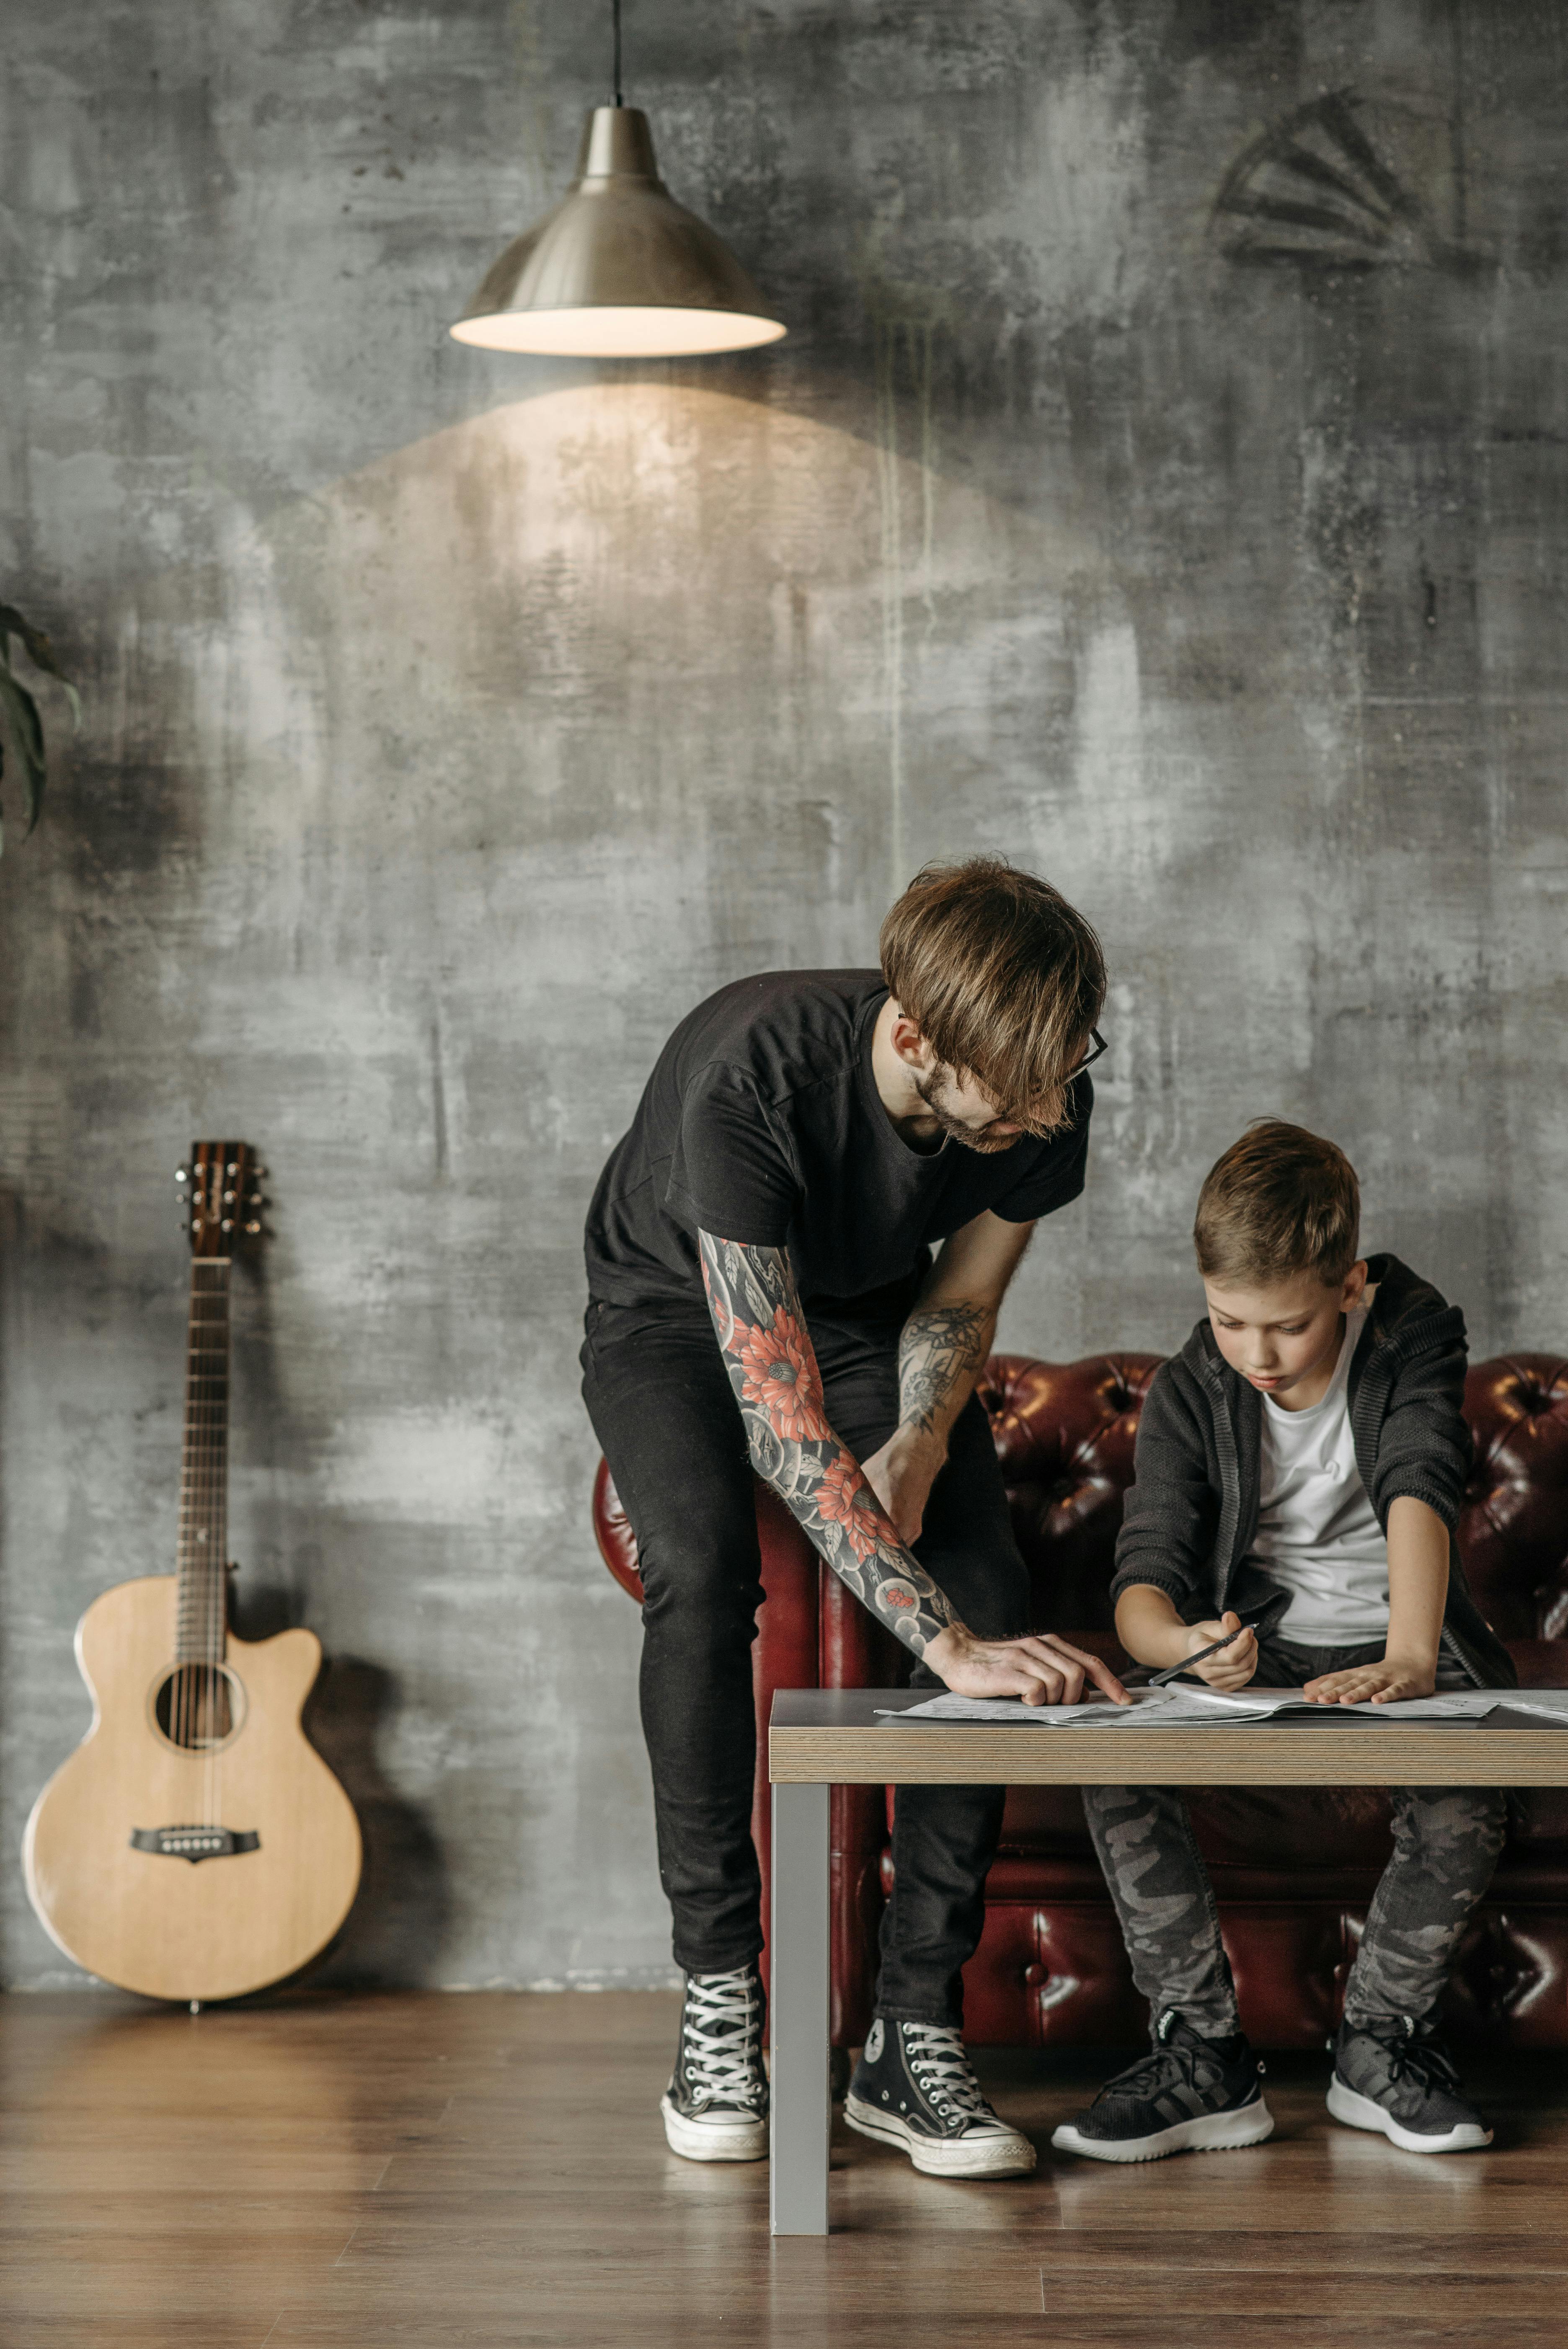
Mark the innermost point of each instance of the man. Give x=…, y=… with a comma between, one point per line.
x=762, y=1294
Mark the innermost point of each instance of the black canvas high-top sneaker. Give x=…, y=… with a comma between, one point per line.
x=914, y=2087
x=1396, y=2076
x=1188, y=2094
x=715, y=2106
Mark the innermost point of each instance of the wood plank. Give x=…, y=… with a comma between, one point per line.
x=835, y=1736
x=489, y=2172
x=979, y=1753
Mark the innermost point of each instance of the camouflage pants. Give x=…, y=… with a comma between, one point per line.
x=1446, y=1843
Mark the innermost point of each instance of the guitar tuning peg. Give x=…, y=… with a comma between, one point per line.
x=253, y=1229
x=182, y=1173
x=261, y=1173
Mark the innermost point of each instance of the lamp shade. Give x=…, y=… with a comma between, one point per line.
x=618, y=270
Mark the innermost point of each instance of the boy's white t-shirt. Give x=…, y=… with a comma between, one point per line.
x=1318, y=1535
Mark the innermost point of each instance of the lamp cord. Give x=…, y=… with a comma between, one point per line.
x=615, y=69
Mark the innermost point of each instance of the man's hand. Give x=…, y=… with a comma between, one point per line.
x=902, y=1475
x=1383, y=1683
x=1234, y=1667
x=1041, y=1669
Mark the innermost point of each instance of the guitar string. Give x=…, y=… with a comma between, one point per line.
x=220, y=1719
x=215, y=1399
x=179, y=1709
x=195, y=1509
x=200, y=1683
x=214, y=1384
x=217, y=1566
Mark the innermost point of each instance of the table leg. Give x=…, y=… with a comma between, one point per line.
x=798, y=2011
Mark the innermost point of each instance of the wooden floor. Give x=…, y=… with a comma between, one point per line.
x=491, y=2170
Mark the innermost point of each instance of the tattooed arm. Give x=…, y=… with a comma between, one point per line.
x=768, y=1350
x=945, y=1341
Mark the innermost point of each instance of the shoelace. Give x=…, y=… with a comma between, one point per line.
x=1424, y=2061
x=720, y=2037
x=938, y=2061
x=1162, y=2068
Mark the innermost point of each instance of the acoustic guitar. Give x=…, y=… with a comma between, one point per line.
x=195, y=1846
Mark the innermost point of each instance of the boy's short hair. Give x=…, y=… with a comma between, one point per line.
x=1280, y=1201
x=1002, y=977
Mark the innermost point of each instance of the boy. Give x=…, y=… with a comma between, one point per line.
x=1307, y=1441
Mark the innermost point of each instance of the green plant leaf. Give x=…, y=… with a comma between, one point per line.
x=39, y=651
x=27, y=735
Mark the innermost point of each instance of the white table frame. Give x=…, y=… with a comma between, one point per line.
x=820, y=1738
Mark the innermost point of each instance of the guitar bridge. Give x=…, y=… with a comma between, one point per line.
x=195, y=1843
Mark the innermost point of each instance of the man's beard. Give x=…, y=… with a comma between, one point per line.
x=974, y=1137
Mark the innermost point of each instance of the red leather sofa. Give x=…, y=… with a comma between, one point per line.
x=1293, y=1868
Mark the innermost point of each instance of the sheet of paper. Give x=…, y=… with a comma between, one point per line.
x=1542, y=1704
x=1449, y=1704
x=1184, y=1706
x=948, y=1707
x=1167, y=1707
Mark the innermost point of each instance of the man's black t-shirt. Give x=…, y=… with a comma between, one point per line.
x=762, y=1122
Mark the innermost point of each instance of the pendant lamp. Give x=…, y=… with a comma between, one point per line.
x=618, y=270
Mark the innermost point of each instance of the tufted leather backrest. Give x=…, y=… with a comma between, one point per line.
x=1064, y=1432
x=1514, y=1529
x=613, y=1528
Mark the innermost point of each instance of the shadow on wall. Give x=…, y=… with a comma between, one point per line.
x=397, y=1926
x=397, y=1929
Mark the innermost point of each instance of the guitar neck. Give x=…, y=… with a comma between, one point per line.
x=201, y=1575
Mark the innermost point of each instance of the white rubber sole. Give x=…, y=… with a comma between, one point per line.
x=1360, y=2112
x=726, y=2140
x=1009, y=2157
x=1206, y=2133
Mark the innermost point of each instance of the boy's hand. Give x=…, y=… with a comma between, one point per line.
x=1383, y=1683
x=1234, y=1667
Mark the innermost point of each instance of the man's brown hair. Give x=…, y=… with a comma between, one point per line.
x=1280, y=1201
x=1002, y=977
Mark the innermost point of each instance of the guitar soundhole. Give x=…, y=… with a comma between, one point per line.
x=197, y=1707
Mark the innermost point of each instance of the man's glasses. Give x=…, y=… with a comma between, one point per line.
x=1098, y=1043
x=1097, y=1046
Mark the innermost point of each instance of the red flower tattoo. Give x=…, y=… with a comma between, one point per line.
x=779, y=1376
x=845, y=1498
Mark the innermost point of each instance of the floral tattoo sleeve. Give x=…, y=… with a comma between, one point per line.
x=767, y=1348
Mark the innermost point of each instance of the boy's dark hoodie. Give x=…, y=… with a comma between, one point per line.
x=1192, y=1512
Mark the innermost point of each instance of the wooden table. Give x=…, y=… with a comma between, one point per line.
x=826, y=1737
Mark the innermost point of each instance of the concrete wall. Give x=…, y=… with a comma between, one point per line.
x=454, y=723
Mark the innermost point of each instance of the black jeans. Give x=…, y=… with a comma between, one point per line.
x=663, y=1408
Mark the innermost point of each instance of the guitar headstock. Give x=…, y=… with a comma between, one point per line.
x=221, y=1197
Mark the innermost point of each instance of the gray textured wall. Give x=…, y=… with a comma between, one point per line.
x=454, y=723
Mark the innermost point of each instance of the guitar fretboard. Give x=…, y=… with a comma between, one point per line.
x=202, y=1584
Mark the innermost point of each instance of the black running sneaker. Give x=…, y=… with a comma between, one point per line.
x=1188, y=2094
x=914, y=2087
x=715, y=2106
x=1396, y=2076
